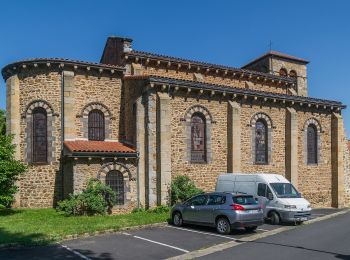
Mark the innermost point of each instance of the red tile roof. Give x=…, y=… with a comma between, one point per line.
x=97, y=147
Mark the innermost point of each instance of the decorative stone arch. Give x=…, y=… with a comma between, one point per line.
x=127, y=177
x=263, y=116
x=270, y=127
x=208, y=125
x=27, y=116
x=84, y=116
x=316, y=123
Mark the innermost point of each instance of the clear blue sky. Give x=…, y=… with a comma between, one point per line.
x=223, y=32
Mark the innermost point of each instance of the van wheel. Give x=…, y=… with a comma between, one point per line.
x=275, y=218
x=177, y=219
x=223, y=226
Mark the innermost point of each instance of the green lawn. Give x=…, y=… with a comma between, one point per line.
x=43, y=226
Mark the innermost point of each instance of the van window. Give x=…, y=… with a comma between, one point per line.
x=216, y=199
x=244, y=200
x=262, y=189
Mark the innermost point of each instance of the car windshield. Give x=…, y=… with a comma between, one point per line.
x=285, y=190
x=244, y=200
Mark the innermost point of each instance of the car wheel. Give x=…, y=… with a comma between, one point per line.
x=223, y=226
x=275, y=218
x=249, y=229
x=177, y=219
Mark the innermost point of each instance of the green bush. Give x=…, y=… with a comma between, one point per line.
x=136, y=210
x=96, y=199
x=10, y=169
x=182, y=188
x=160, y=209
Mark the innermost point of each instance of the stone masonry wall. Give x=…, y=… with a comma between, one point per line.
x=204, y=175
x=213, y=79
x=315, y=181
x=40, y=186
x=346, y=171
x=84, y=170
x=97, y=89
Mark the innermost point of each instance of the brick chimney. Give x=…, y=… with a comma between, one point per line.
x=115, y=49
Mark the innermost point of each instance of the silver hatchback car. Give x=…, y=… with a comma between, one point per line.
x=222, y=210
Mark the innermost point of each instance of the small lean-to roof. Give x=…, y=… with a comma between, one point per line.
x=279, y=55
x=84, y=146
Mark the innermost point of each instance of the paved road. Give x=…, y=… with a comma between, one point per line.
x=328, y=239
x=155, y=243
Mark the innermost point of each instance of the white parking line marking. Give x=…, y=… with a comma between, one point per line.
x=75, y=252
x=200, y=232
x=162, y=244
x=265, y=230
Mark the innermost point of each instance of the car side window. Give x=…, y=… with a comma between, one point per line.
x=262, y=189
x=199, y=200
x=216, y=199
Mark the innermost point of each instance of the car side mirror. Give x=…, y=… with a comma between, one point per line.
x=270, y=196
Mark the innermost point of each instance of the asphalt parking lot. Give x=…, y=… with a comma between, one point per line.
x=159, y=242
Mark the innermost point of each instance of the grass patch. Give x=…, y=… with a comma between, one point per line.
x=44, y=226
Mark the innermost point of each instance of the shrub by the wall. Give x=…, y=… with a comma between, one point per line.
x=96, y=199
x=182, y=188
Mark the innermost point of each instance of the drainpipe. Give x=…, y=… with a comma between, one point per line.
x=62, y=132
x=138, y=180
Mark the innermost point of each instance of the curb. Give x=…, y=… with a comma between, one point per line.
x=236, y=242
x=85, y=235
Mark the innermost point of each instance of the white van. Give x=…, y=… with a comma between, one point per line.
x=277, y=196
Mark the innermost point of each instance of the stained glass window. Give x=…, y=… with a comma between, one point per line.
x=39, y=135
x=261, y=142
x=311, y=144
x=198, y=140
x=115, y=180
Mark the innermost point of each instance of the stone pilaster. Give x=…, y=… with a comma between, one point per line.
x=13, y=119
x=337, y=150
x=292, y=146
x=163, y=148
x=234, y=137
x=151, y=150
x=68, y=105
x=140, y=147
x=13, y=116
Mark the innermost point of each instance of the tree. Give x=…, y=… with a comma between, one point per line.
x=10, y=168
x=2, y=122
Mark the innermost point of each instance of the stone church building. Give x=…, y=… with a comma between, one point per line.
x=137, y=119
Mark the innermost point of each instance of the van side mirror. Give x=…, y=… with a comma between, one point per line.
x=270, y=196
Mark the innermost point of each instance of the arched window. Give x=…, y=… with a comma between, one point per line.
x=96, y=125
x=261, y=142
x=283, y=72
x=115, y=180
x=292, y=74
x=311, y=144
x=198, y=138
x=39, y=154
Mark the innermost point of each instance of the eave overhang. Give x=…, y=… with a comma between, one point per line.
x=147, y=59
x=63, y=64
x=171, y=86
